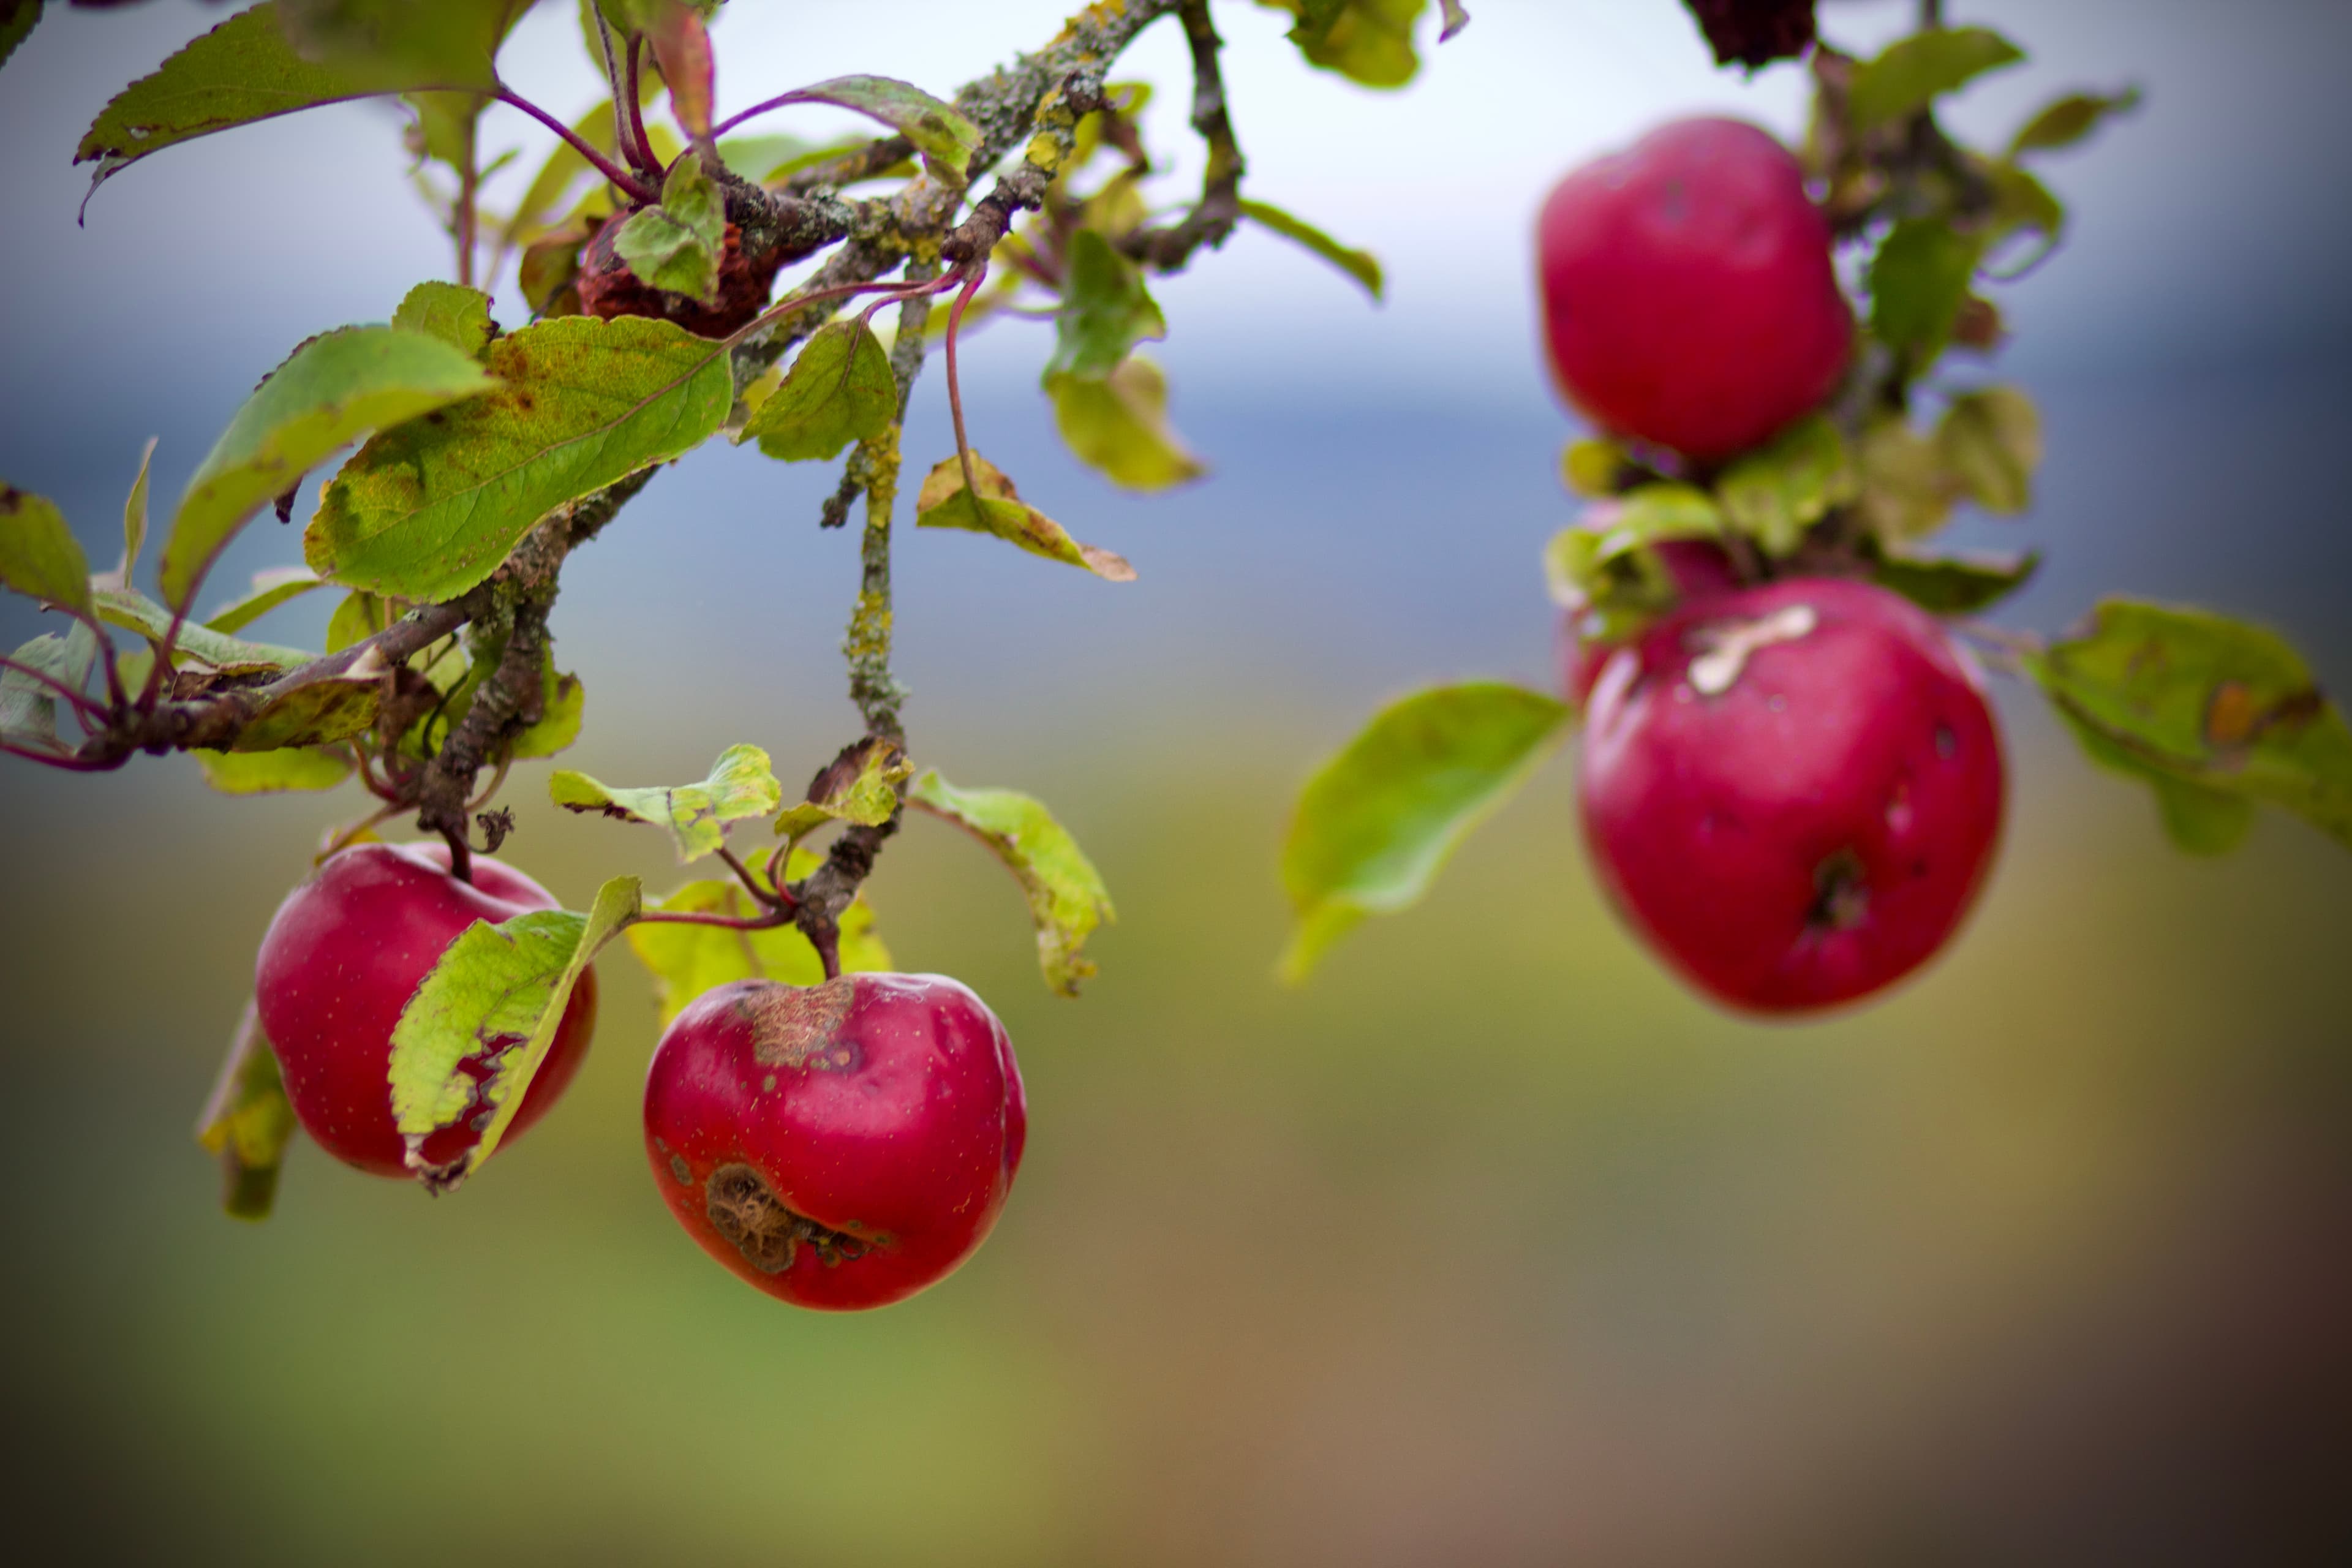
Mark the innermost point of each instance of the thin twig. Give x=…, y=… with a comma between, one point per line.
x=84, y=706
x=621, y=178
x=745, y=874
x=641, y=147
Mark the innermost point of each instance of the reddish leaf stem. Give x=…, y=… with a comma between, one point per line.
x=766, y=922
x=955, y=388
x=621, y=178
x=745, y=874
x=84, y=707
x=641, y=147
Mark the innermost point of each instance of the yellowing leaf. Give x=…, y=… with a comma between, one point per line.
x=248, y=1121
x=685, y=961
x=39, y=556
x=426, y=510
x=740, y=784
x=273, y=772
x=1067, y=897
x=1118, y=426
x=860, y=786
x=1360, y=265
x=497, y=992
x=943, y=503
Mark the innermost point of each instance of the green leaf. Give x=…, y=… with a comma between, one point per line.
x=760, y=159
x=428, y=510
x=1120, y=426
x=455, y=314
x=331, y=391
x=17, y=19
x=2068, y=120
x=28, y=709
x=1906, y=493
x=359, y=615
x=2023, y=205
x=1953, y=584
x=2198, y=820
x=39, y=556
x=2209, y=701
x=1067, y=897
x=687, y=960
x=245, y=70
x=1779, y=491
x=1991, y=441
x=676, y=246
x=404, y=44
x=274, y=773
x=1581, y=562
x=497, y=992
x=1913, y=72
x=943, y=503
x=134, y=611
x=1370, y=42
x=248, y=1121
x=840, y=390
x=946, y=139
x=1377, y=822
x=860, y=786
x=1917, y=283
x=271, y=588
x=1106, y=310
x=1360, y=265
x=740, y=785
x=563, y=709
x=135, y=517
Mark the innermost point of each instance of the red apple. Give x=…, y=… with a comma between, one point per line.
x=1689, y=301
x=841, y=1145
x=347, y=950
x=1792, y=791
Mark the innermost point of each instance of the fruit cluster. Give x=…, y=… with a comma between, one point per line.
x=839, y=1146
x=1791, y=787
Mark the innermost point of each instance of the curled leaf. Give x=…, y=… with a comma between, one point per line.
x=740, y=784
x=1067, y=897
x=998, y=508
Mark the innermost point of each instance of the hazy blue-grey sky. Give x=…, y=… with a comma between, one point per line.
x=1383, y=478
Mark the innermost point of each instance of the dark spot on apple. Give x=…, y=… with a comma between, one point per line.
x=1841, y=893
x=742, y=1209
x=677, y=1167
x=1947, y=744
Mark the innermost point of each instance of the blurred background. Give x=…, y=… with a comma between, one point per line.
x=1493, y=1245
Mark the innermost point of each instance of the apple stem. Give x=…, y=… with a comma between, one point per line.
x=751, y=884
x=955, y=387
x=461, y=853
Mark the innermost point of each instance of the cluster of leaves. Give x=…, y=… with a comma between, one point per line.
x=2214, y=714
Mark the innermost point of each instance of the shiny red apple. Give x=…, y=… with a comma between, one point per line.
x=1688, y=297
x=346, y=951
x=1793, y=791
x=841, y=1145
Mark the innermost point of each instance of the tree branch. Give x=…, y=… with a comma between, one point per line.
x=1213, y=217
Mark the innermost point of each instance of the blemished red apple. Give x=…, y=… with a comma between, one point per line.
x=1688, y=295
x=1793, y=792
x=838, y=1146
x=345, y=952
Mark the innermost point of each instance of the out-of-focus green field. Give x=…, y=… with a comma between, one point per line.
x=1492, y=1247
